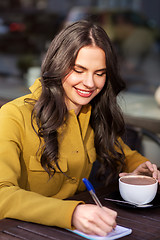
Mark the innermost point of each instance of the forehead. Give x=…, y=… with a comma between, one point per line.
x=91, y=55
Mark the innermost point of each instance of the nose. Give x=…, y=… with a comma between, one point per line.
x=88, y=80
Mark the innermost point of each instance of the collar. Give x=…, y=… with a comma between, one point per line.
x=36, y=88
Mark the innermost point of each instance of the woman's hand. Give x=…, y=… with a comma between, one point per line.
x=146, y=168
x=92, y=219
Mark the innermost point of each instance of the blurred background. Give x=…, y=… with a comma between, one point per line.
x=27, y=28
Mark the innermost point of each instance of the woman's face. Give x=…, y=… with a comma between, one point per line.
x=86, y=79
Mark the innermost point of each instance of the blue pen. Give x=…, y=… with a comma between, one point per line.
x=91, y=190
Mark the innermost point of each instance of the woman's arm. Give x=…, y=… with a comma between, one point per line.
x=16, y=200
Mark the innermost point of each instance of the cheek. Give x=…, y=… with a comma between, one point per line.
x=70, y=80
x=100, y=84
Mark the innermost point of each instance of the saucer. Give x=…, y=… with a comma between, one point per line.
x=154, y=204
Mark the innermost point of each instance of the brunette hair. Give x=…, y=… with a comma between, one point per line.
x=50, y=109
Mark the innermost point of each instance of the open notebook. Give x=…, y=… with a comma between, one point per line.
x=115, y=234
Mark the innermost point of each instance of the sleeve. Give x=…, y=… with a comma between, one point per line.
x=132, y=158
x=16, y=202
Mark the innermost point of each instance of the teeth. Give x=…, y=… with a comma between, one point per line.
x=84, y=92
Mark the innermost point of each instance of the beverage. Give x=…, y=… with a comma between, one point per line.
x=138, y=180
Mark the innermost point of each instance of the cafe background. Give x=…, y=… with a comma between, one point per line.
x=27, y=28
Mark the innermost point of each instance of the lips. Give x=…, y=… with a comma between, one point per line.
x=83, y=93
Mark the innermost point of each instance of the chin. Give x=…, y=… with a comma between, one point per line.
x=84, y=103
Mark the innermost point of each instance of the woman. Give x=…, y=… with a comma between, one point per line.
x=50, y=138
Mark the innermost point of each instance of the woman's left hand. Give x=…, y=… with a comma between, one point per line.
x=146, y=168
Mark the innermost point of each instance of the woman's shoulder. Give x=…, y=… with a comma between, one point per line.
x=21, y=104
x=26, y=102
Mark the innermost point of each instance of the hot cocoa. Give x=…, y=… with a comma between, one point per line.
x=138, y=180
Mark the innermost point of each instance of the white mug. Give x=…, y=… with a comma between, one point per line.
x=138, y=189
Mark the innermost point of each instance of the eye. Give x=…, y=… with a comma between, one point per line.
x=78, y=70
x=101, y=74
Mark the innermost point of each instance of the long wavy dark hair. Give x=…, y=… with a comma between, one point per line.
x=50, y=109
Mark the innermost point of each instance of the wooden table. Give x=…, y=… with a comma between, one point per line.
x=145, y=223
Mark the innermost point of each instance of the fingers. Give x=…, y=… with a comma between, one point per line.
x=123, y=174
x=158, y=177
x=151, y=167
x=110, y=217
x=146, y=168
x=155, y=173
x=92, y=219
x=101, y=225
x=143, y=169
x=104, y=220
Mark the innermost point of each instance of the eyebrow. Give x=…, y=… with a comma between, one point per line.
x=99, y=70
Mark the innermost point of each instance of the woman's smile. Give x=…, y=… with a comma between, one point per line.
x=83, y=93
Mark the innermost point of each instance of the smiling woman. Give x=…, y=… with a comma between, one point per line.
x=56, y=133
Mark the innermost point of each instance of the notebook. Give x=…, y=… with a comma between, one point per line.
x=118, y=232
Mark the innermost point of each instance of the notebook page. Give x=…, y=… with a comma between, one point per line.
x=118, y=232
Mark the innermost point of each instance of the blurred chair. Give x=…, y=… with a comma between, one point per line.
x=133, y=137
